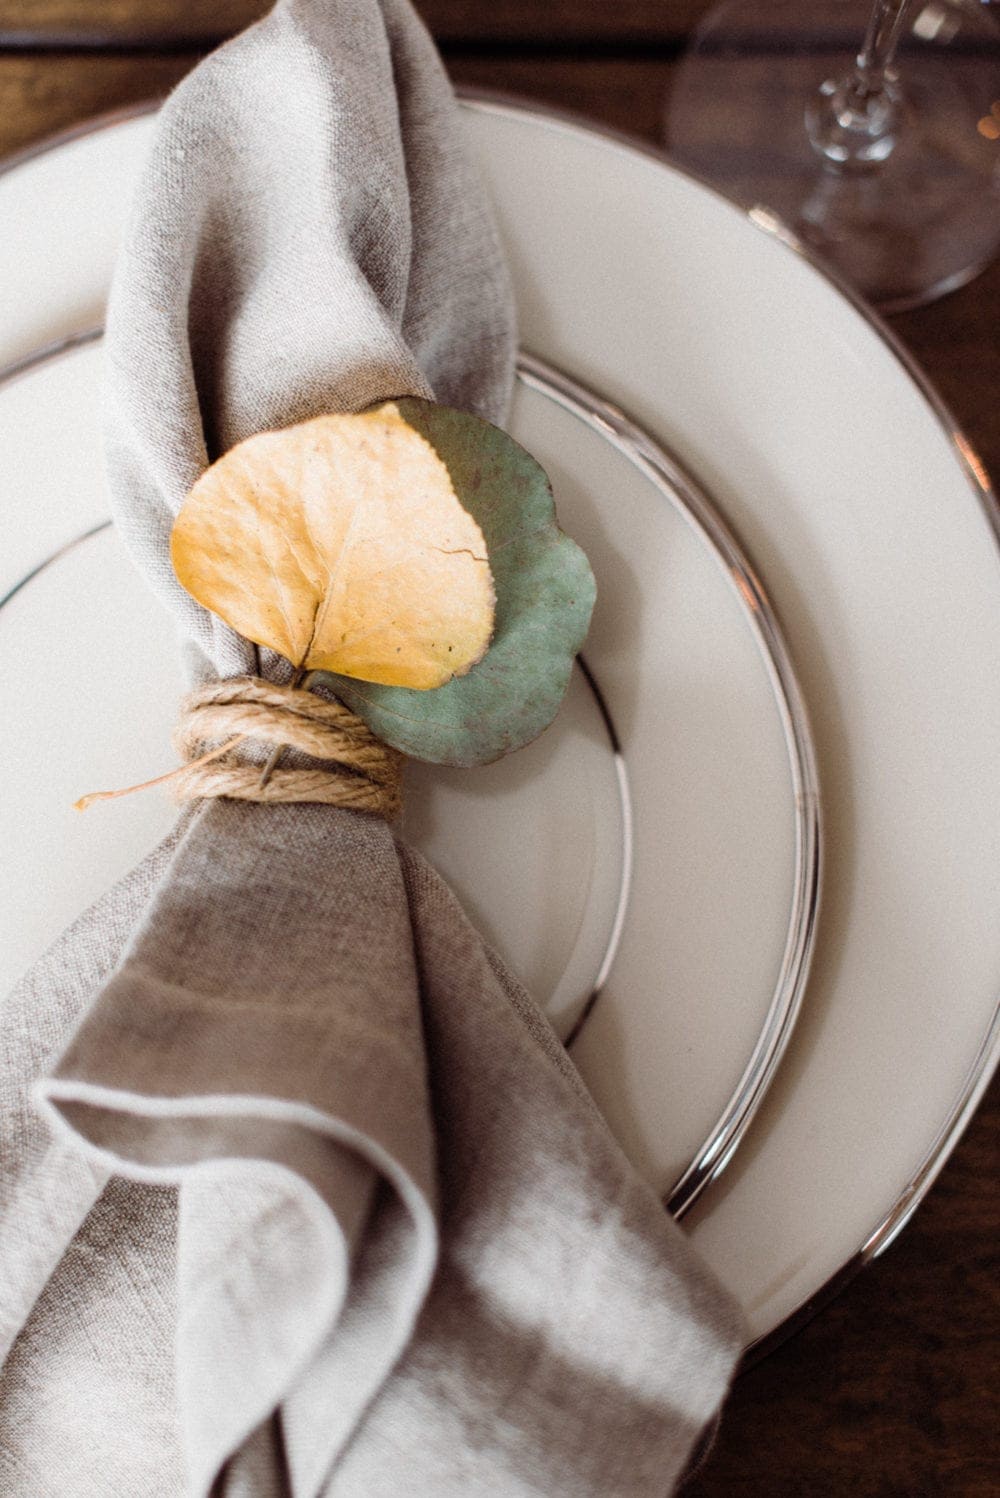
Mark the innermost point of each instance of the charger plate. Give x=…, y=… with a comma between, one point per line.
x=866, y=515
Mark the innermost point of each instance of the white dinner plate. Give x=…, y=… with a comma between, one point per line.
x=862, y=510
x=541, y=846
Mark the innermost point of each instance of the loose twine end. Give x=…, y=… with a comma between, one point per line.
x=356, y=770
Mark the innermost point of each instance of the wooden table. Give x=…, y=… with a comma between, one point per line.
x=890, y=1392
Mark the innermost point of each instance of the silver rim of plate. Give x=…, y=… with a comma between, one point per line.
x=889, y=1224
x=680, y=490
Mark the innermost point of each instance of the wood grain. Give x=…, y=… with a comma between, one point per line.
x=891, y=1391
x=530, y=22
x=123, y=21
x=38, y=97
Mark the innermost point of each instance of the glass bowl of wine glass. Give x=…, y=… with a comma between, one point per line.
x=870, y=128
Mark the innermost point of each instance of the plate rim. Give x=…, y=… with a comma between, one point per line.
x=653, y=456
x=986, y=1062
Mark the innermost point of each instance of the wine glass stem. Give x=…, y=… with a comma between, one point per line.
x=881, y=40
x=852, y=121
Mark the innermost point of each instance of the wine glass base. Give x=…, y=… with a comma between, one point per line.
x=902, y=231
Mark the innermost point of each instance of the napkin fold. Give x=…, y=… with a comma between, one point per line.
x=312, y=1201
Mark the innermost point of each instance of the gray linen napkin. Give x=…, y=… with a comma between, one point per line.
x=319, y=1204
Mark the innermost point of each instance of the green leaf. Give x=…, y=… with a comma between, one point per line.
x=545, y=596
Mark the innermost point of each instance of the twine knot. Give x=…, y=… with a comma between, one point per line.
x=357, y=770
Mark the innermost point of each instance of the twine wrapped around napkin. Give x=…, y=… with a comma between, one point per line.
x=318, y=1204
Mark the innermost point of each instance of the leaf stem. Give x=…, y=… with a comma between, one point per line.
x=146, y=785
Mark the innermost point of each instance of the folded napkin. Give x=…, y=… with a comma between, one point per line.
x=312, y=1200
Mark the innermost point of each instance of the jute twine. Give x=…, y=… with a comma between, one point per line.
x=357, y=770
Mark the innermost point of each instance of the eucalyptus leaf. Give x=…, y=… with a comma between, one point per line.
x=340, y=543
x=545, y=596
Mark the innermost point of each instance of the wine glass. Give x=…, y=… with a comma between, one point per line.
x=871, y=129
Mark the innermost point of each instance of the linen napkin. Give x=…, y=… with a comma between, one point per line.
x=313, y=1201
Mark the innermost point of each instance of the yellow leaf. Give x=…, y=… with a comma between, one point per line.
x=341, y=544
